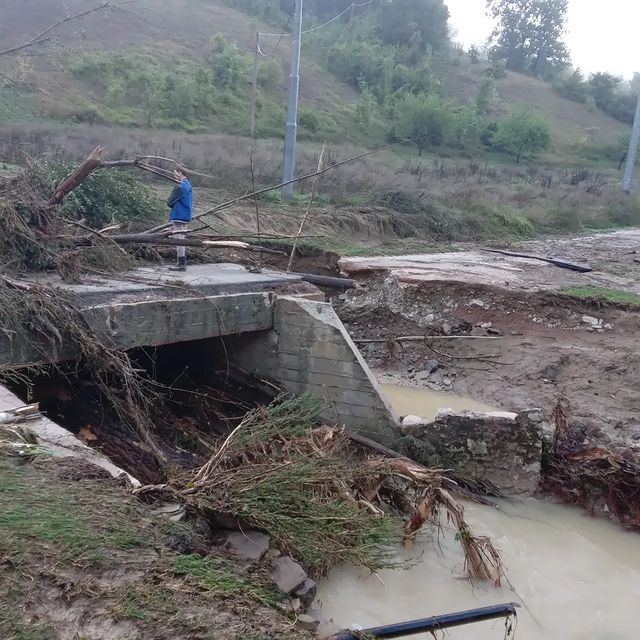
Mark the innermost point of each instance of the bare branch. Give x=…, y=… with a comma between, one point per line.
x=44, y=36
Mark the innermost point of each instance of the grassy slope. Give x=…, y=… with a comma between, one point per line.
x=80, y=557
x=182, y=28
x=571, y=122
x=169, y=29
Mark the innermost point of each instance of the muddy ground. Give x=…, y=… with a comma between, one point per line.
x=545, y=345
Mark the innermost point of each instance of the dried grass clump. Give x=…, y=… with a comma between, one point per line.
x=322, y=499
x=48, y=318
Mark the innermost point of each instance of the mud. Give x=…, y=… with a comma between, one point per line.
x=544, y=347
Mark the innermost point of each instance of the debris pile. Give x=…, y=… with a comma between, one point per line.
x=322, y=499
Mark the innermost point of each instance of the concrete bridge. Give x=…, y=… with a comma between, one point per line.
x=274, y=325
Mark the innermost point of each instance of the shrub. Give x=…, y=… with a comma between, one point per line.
x=106, y=196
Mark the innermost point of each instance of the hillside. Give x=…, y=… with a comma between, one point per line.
x=172, y=34
x=571, y=122
x=73, y=83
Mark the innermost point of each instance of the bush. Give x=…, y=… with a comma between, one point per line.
x=498, y=69
x=425, y=119
x=107, y=197
x=523, y=132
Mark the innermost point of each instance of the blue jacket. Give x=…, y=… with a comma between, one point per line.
x=181, y=202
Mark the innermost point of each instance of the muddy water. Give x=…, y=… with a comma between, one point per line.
x=425, y=403
x=579, y=577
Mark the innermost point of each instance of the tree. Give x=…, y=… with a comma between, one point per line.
x=574, y=87
x=425, y=119
x=529, y=34
x=486, y=92
x=603, y=88
x=420, y=23
x=523, y=132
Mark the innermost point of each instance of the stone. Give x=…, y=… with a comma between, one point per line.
x=590, y=320
x=486, y=325
x=501, y=449
x=478, y=331
x=288, y=575
x=172, y=511
x=250, y=546
x=413, y=424
x=307, y=622
x=307, y=592
x=447, y=329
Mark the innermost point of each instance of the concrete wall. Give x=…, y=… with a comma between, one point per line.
x=125, y=325
x=309, y=350
x=502, y=449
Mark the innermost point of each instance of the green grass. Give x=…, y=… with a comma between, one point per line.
x=77, y=533
x=601, y=294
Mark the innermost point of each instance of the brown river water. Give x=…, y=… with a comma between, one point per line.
x=575, y=576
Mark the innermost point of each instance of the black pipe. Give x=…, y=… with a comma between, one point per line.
x=435, y=623
x=326, y=281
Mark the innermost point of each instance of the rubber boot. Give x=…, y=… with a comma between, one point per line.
x=180, y=266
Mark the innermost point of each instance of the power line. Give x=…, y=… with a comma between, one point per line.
x=353, y=5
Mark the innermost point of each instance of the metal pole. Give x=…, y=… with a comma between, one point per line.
x=435, y=623
x=292, y=115
x=632, y=153
x=254, y=93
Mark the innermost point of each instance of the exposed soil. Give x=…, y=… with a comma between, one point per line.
x=532, y=346
x=81, y=558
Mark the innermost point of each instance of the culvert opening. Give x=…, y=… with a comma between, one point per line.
x=196, y=396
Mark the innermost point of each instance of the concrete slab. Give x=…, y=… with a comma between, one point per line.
x=59, y=442
x=159, y=282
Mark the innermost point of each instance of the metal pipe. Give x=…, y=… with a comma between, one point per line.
x=427, y=625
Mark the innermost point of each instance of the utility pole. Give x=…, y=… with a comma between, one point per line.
x=292, y=115
x=254, y=91
x=632, y=153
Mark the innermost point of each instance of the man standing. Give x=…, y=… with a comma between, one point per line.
x=181, y=203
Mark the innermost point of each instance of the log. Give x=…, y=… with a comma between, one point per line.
x=326, y=281
x=447, y=483
x=562, y=264
x=165, y=240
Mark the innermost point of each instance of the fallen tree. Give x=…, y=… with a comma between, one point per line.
x=320, y=497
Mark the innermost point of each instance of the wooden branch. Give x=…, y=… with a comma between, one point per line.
x=306, y=214
x=86, y=167
x=447, y=483
x=253, y=194
x=93, y=162
x=43, y=36
x=164, y=240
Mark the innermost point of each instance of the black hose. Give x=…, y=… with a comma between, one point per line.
x=435, y=623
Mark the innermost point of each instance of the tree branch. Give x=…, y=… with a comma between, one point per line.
x=43, y=36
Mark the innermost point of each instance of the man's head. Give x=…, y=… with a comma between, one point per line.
x=180, y=174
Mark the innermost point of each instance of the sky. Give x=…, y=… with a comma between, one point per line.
x=602, y=35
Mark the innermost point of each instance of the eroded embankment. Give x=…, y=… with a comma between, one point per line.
x=575, y=359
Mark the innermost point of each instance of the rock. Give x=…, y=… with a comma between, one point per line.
x=430, y=367
x=307, y=592
x=307, y=622
x=250, y=546
x=447, y=329
x=486, y=325
x=492, y=331
x=173, y=511
x=478, y=331
x=288, y=575
x=591, y=321
x=413, y=424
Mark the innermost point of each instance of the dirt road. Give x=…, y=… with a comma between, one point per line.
x=549, y=346
x=610, y=255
